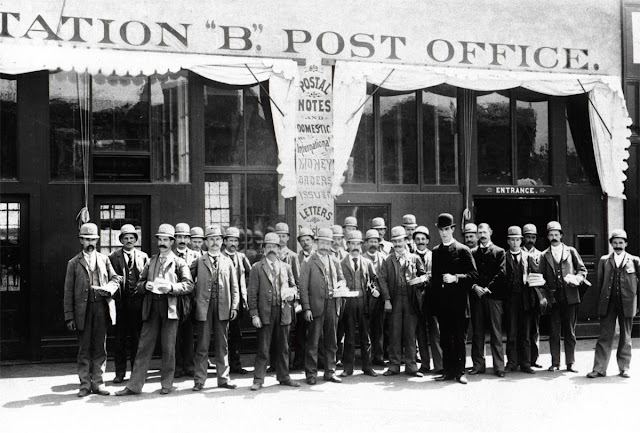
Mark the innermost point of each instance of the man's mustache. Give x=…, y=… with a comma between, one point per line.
x=618, y=248
x=163, y=247
x=91, y=248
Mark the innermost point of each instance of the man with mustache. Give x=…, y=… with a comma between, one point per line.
x=319, y=277
x=401, y=278
x=271, y=291
x=470, y=233
x=164, y=278
x=409, y=224
x=350, y=224
x=428, y=328
x=377, y=316
x=242, y=268
x=361, y=278
x=184, y=340
x=379, y=225
x=306, y=239
x=89, y=285
x=530, y=233
x=618, y=283
x=453, y=273
x=337, y=245
x=197, y=239
x=486, y=299
x=217, y=301
x=286, y=255
x=564, y=271
x=129, y=263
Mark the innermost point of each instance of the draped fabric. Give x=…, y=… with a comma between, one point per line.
x=610, y=143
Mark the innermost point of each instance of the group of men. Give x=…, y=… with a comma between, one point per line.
x=400, y=296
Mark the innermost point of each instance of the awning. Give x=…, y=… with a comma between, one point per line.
x=608, y=112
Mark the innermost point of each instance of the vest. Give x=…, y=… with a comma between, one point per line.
x=557, y=271
x=616, y=295
x=358, y=278
x=132, y=275
x=94, y=280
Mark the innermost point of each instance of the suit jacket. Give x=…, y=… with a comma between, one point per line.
x=428, y=299
x=313, y=284
x=228, y=291
x=76, y=287
x=190, y=256
x=242, y=271
x=453, y=298
x=290, y=258
x=570, y=263
x=628, y=287
x=117, y=261
x=302, y=257
x=368, y=278
x=377, y=259
x=491, y=270
x=391, y=276
x=386, y=247
x=534, y=259
x=177, y=272
x=526, y=263
x=261, y=291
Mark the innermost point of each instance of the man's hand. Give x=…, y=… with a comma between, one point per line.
x=255, y=321
x=387, y=306
x=448, y=278
x=417, y=280
x=375, y=293
x=71, y=325
x=479, y=291
x=308, y=316
x=234, y=314
x=149, y=286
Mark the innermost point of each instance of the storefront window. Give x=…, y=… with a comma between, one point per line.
x=494, y=139
x=581, y=164
x=8, y=129
x=532, y=127
x=398, y=128
x=440, y=138
x=112, y=218
x=11, y=243
x=362, y=163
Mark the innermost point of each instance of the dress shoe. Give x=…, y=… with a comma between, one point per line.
x=100, y=391
x=165, y=391
x=124, y=392
x=346, y=373
x=500, y=373
x=536, y=365
x=118, y=379
x=371, y=373
x=272, y=369
x=290, y=382
x=256, y=386
x=197, y=387
x=624, y=374
x=526, y=369
x=462, y=379
x=414, y=373
x=83, y=392
x=379, y=363
x=239, y=371
x=473, y=372
x=594, y=374
x=440, y=372
x=311, y=380
x=571, y=369
x=390, y=373
x=554, y=368
x=511, y=368
x=227, y=385
x=444, y=377
x=333, y=378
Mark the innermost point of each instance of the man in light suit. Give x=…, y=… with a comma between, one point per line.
x=271, y=291
x=163, y=279
x=530, y=233
x=379, y=225
x=557, y=262
x=319, y=277
x=379, y=335
x=129, y=263
x=618, y=284
x=89, y=285
x=217, y=302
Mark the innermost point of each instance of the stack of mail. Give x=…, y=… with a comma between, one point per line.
x=535, y=280
x=342, y=291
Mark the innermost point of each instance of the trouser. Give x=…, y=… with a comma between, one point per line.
x=235, y=341
x=453, y=330
x=340, y=334
x=301, y=327
x=563, y=320
x=535, y=336
x=92, y=346
x=272, y=336
x=376, y=329
x=605, y=340
x=158, y=322
x=402, y=334
x=128, y=327
x=184, y=346
x=220, y=341
x=327, y=325
x=486, y=312
x=429, y=338
x=518, y=334
x=352, y=316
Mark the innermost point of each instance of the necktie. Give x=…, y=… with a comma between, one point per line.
x=181, y=255
x=129, y=260
x=355, y=264
x=273, y=270
x=215, y=261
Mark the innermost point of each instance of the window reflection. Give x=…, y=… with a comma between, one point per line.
x=398, y=125
x=494, y=139
x=261, y=140
x=361, y=168
x=532, y=126
x=8, y=129
x=440, y=139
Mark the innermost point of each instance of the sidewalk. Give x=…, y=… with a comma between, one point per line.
x=42, y=397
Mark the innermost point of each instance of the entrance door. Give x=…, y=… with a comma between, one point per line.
x=501, y=213
x=14, y=272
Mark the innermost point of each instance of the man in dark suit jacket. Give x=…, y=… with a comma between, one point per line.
x=129, y=263
x=377, y=317
x=89, y=285
x=563, y=271
x=271, y=291
x=453, y=273
x=319, y=278
x=486, y=300
x=306, y=239
x=401, y=280
x=618, y=275
x=530, y=233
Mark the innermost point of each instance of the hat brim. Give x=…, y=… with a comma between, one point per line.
x=379, y=227
x=322, y=238
x=183, y=234
x=197, y=237
x=411, y=226
x=166, y=235
x=618, y=237
x=89, y=236
x=124, y=234
x=395, y=238
x=448, y=225
x=514, y=236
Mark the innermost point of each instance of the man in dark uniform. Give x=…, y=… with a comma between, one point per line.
x=530, y=233
x=453, y=273
x=129, y=263
x=306, y=239
x=486, y=299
